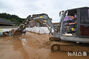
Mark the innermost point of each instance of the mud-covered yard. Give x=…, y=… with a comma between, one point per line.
x=31, y=46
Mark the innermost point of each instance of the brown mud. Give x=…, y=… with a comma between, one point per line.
x=31, y=46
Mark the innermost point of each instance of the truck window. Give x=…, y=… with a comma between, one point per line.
x=69, y=23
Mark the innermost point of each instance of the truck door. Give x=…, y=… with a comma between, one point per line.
x=84, y=22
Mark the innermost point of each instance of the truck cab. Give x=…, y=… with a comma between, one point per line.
x=75, y=25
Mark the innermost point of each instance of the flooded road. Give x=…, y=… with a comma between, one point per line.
x=30, y=46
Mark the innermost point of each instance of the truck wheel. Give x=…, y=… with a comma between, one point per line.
x=55, y=47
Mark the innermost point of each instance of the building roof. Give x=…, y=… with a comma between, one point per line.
x=5, y=22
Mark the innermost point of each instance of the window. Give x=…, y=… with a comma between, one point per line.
x=69, y=23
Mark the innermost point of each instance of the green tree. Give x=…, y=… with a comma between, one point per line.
x=12, y=18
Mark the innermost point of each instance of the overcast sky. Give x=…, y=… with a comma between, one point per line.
x=23, y=8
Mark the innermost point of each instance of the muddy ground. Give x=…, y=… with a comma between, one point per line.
x=31, y=46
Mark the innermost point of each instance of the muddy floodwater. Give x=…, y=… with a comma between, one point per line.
x=31, y=46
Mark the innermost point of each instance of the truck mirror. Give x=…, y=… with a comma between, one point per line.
x=61, y=13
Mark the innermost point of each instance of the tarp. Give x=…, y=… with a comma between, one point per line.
x=41, y=30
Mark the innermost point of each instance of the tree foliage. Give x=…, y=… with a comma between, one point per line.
x=12, y=18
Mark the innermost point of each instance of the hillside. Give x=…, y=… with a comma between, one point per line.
x=13, y=18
